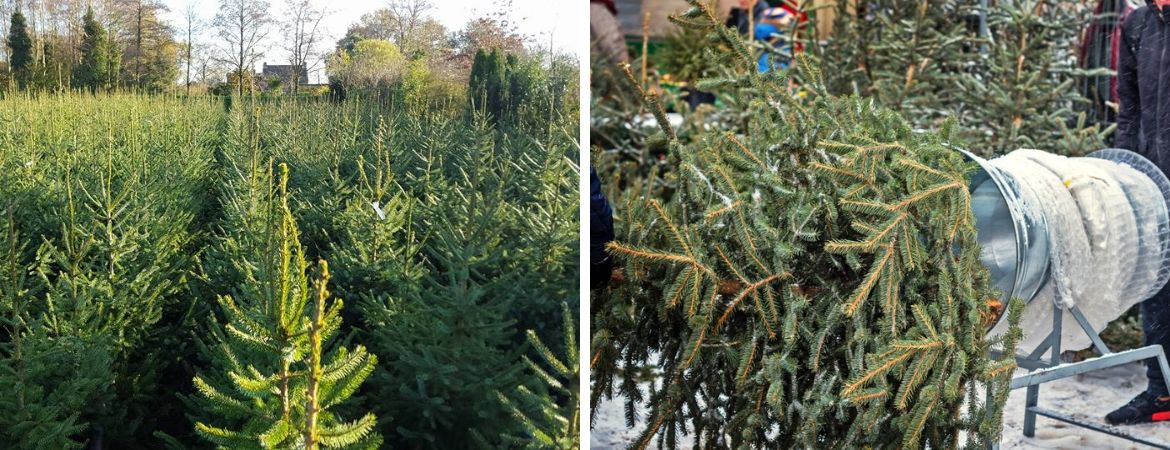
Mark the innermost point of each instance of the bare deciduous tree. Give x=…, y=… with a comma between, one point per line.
x=243, y=25
x=302, y=31
x=411, y=14
x=192, y=27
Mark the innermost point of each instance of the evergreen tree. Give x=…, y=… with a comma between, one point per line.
x=550, y=423
x=92, y=72
x=273, y=384
x=20, y=46
x=477, y=82
x=47, y=376
x=1009, y=84
x=811, y=280
x=487, y=86
x=113, y=60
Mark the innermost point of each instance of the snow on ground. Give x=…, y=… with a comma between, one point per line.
x=1090, y=396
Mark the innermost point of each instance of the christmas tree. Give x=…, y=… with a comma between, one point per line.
x=272, y=385
x=1006, y=73
x=811, y=278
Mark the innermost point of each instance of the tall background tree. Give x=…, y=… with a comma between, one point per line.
x=93, y=71
x=20, y=45
x=192, y=25
x=302, y=34
x=242, y=25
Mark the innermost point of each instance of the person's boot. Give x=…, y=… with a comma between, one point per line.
x=1144, y=408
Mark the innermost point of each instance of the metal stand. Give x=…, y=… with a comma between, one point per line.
x=1043, y=370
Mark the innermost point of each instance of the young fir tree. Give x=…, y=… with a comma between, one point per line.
x=549, y=422
x=814, y=281
x=46, y=378
x=92, y=73
x=20, y=46
x=274, y=385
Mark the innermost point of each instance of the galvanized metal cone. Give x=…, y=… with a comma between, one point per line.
x=1016, y=241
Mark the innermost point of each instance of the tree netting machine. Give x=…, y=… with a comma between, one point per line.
x=1081, y=240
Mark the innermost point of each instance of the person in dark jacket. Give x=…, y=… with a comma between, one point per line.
x=600, y=234
x=738, y=17
x=1143, y=126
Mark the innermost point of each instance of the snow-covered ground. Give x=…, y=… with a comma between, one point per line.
x=1091, y=395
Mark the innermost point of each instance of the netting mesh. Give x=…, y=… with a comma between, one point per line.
x=1107, y=224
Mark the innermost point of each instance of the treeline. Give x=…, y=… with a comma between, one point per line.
x=399, y=52
x=396, y=52
x=57, y=45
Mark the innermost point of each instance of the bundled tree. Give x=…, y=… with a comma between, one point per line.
x=272, y=383
x=813, y=280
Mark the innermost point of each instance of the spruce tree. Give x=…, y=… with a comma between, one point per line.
x=92, y=73
x=1008, y=85
x=20, y=46
x=547, y=424
x=274, y=384
x=47, y=376
x=812, y=278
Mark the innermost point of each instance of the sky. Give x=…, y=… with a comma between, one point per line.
x=537, y=19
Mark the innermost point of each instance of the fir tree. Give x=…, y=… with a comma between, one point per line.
x=933, y=60
x=91, y=73
x=812, y=281
x=20, y=45
x=549, y=423
x=274, y=385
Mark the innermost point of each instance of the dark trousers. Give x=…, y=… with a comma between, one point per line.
x=1156, y=328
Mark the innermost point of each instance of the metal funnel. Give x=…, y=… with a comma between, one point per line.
x=1017, y=242
x=1013, y=236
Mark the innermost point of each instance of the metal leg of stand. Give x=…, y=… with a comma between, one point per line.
x=1041, y=371
x=1163, y=365
x=1033, y=395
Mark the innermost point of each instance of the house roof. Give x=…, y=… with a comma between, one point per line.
x=285, y=72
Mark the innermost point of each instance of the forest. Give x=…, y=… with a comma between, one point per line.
x=156, y=46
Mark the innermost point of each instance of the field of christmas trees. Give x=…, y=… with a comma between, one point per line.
x=796, y=263
x=234, y=273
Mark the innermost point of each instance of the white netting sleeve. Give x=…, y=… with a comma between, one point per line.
x=1109, y=236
